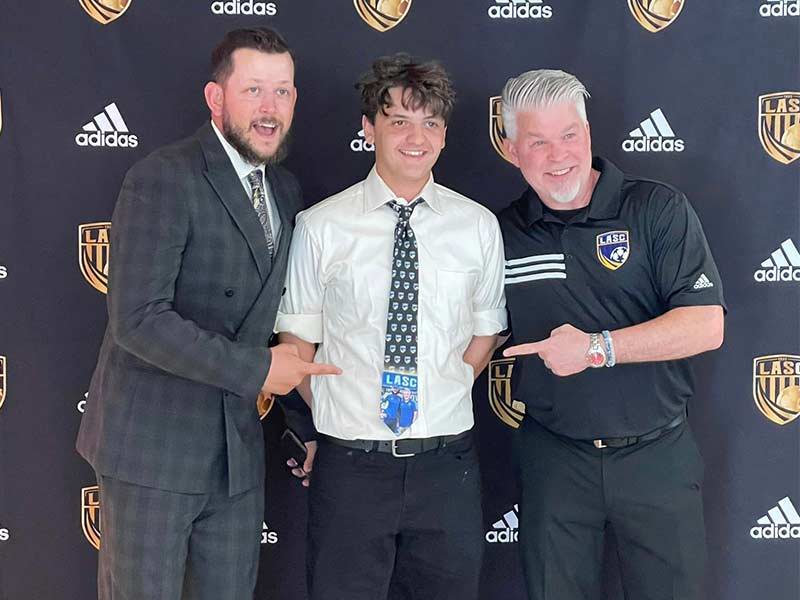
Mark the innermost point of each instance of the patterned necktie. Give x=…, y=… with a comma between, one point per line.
x=256, y=182
x=399, y=406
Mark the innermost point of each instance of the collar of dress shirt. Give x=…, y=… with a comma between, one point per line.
x=377, y=193
x=240, y=165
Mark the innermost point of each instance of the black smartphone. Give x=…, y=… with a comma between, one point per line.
x=293, y=447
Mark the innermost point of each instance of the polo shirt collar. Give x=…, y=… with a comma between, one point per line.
x=377, y=193
x=604, y=203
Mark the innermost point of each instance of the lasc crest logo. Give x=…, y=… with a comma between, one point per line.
x=497, y=130
x=509, y=411
x=90, y=515
x=776, y=387
x=382, y=15
x=93, y=253
x=779, y=125
x=3, y=380
x=105, y=11
x=613, y=249
x=655, y=15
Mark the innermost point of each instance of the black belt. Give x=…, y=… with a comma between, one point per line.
x=401, y=448
x=622, y=442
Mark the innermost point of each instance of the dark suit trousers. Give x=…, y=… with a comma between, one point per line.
x=398, y=528
x=648, y=493
x=160, y=545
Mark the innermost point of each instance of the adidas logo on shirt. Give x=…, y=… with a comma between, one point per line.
x=504, y=531
x=532, y=268
x=702, y=283
x=780, y=523
x=782, y=265
x=654, y=134
x=107, y=129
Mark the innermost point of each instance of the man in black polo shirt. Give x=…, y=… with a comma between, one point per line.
x=613, y=272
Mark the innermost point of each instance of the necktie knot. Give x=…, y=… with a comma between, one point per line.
x=404, y=210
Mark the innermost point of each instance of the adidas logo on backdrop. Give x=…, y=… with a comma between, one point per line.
x=107, y=129
x=782, y=265
x=654, y=134
x=780, y=8
x=780, y=523
x=244, y=7
x=505, y=530
x=359, y=144
x=520, y=9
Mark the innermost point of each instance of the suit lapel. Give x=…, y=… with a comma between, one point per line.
x=222, y=177
x=283, y=201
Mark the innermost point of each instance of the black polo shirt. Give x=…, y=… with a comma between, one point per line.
x=637, y=252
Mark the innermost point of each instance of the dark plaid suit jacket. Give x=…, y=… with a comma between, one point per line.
x=192, y=301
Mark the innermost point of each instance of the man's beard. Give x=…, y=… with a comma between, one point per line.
x=236, y=138
x=567, y=195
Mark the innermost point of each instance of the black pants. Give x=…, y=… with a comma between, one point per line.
x=399, y=528
x=649, y=493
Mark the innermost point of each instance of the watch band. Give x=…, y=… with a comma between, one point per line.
x=611, y=358
x=596, y=354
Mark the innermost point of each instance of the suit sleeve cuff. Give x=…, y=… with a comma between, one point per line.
x=489, y=322
x=306, y=327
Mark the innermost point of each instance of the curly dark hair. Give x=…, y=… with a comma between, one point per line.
x=424, y=84
x=263, y=39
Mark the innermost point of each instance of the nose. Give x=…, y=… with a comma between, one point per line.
x=415, y=135
x=268, y=103
x=558, y=151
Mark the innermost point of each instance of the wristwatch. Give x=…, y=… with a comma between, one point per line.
x=596, y=354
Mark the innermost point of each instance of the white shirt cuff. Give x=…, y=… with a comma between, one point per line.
x=306, y=327
x=489, y=322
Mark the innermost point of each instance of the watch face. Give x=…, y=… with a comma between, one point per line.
x=596, y=359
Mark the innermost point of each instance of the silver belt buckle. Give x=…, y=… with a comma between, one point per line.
x=395, y=453
x=599, y=444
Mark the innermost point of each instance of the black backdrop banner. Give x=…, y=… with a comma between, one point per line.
x=703, y=94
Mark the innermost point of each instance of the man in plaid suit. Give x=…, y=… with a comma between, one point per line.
x=199, y=245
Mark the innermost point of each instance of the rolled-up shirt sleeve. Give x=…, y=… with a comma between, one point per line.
x=300, y=312
x=489, y=300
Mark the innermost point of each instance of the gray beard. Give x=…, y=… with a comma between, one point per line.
x=568, y=195
x=236, y=138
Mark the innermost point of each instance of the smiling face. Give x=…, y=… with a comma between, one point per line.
x=254, y=106
x=407, y=144
x=553, y=149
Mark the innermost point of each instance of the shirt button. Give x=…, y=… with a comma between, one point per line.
x=229, y=292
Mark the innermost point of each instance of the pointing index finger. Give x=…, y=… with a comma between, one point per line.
x=525, y=349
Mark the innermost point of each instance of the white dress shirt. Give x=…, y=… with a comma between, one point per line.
x=337, y=295
x=243, y=169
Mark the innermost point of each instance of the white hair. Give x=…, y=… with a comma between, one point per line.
x=534, y=90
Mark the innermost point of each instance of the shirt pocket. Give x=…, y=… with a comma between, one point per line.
x=454, y=291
